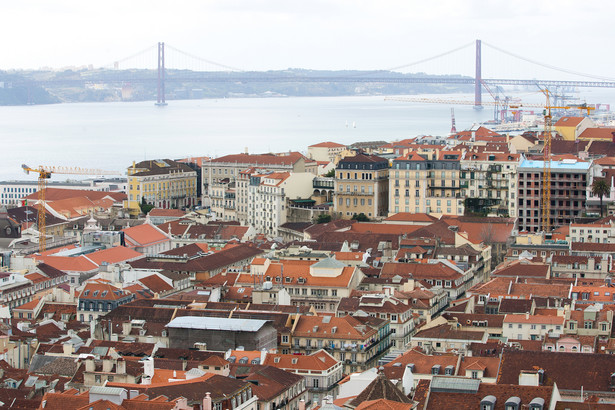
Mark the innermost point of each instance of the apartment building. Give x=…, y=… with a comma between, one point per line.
x=488, y=182
x=163, y=183
x=319, y=284
x=399, y=314
x=268, y=196
x=326, y=151
x=596, y=233
x=230, y=166
x=356, y=342
x=426, y=183
x=222, y=196
x=99, y=297
x=569, y=179
x=532, y=327
x=361, y=186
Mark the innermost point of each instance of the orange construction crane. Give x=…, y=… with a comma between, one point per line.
x=44, y=173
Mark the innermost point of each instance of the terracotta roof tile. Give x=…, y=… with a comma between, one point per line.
x=144, y=234
x=113, y=255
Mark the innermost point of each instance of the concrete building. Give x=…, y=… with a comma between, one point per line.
x=569, y=179
x=12, y=193
x=362, y=186
x=163, y=183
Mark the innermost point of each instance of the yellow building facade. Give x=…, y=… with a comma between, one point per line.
x=162, y=183
x=361, y=186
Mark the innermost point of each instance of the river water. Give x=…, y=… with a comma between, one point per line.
x=111, y=136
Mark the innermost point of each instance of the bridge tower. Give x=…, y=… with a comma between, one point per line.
x=161, y=100
x=478, y=80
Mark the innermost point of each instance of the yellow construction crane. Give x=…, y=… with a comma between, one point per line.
x=547, y=135
x=546, y=171
x=44, y=173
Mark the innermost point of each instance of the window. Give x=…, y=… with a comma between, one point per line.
x=474, y=374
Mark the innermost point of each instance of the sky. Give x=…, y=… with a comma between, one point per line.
x=315, y=34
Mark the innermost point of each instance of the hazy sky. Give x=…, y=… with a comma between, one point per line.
x=317, y=34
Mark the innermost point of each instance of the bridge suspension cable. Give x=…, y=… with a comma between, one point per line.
x=431, y=58
x=373, y=72
x=204, y=60
x=147, y=50
x=552, y=67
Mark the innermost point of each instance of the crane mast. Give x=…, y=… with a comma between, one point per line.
x=44, y=173
x=546, y=169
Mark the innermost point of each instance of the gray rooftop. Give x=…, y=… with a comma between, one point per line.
x=329, y=263
x=112, y=391
x=217, y=323
x=454, y=384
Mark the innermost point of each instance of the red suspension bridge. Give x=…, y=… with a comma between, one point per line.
x=223, y=73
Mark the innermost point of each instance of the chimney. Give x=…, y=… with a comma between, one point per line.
x=207, y=401
x=67, y=349
x=302, y=404
x=120, y=366
x=107, y=365
x=591, y=264
x=90, y=366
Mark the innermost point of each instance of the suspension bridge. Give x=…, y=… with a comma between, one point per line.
x=162, y=75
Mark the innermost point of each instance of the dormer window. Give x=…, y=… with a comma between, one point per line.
x=435, y=369
x=538, y=403
x=488, y=403
x=513, y=403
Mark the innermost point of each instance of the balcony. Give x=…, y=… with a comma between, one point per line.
x=355, y=193
x=323, y=183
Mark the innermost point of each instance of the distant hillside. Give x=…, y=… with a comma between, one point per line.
x=44, y=87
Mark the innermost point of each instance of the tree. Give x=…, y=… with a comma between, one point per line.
x=323, y=219
x=331, y=173
x=601, y=188
x=145, y=207
x=360, y=218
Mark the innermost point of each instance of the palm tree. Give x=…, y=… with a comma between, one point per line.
x=600, y=188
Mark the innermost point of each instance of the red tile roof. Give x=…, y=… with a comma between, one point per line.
x=144, y=234
x=114, y=255
x=99, y=289
x=167, y=212
x=155, y=284
x=327, y=144
x=569, y=121
x=70, y=264
x=261, y=159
